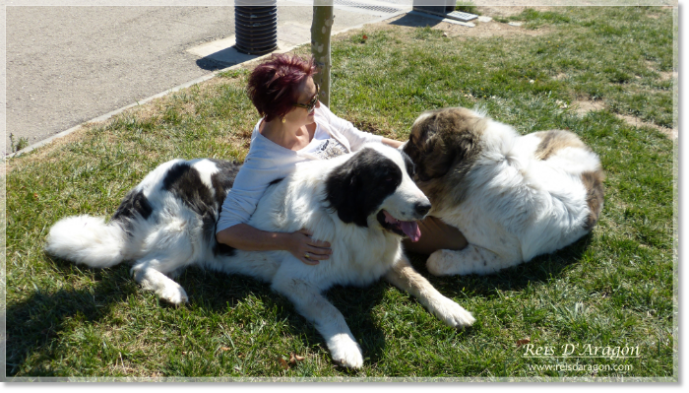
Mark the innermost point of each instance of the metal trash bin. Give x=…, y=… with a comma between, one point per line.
x=256, y=26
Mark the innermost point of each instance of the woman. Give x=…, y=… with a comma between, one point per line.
x=295, y=127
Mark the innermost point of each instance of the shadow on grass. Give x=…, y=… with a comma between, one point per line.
x=539, y=270
x=217, y=291
x=35, y=324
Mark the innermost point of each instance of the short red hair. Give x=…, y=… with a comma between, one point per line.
x=273, y=85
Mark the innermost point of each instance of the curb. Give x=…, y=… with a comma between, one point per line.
x=204, y=78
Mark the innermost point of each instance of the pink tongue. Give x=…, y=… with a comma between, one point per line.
x=411, y=229
x=389, y=218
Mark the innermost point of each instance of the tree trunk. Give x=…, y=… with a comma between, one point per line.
x=323, y=18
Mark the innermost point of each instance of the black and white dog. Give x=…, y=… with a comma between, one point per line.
x=362, y=203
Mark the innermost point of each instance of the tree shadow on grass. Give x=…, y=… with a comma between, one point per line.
x=540, y=269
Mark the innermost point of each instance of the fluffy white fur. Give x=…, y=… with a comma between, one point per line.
x=517, y=205
x=172, y=238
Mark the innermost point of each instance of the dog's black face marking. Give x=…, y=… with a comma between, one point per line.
x=358, y=187
x=409, y=164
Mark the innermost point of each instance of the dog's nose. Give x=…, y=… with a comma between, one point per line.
x=422, y=208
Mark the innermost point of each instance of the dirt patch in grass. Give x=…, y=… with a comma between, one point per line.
x=505, y=12
x=653, y=12
x=488, y=30
x=482, y=30
x=636, y=122
x=668, y=75
x=585, y=106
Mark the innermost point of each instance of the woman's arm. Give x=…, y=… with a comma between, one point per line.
x=392, y=143
x=261, y=166
x=346, y=129
x=355, y=136
x=245, y=237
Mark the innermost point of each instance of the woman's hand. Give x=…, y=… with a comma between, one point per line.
x=307, y=250
x=247, y=238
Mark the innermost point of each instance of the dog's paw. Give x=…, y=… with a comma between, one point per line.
x=452, y=313
x=441, y=263
x=345, y=351
x=174, y=294
x=471, y=260
x=449, y=262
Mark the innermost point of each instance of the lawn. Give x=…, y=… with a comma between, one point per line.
x=604, y=73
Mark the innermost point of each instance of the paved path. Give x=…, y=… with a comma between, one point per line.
x=68, y=65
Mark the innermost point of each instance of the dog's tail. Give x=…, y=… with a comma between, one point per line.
x=88, y=240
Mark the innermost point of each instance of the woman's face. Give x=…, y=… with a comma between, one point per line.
x=306, y=91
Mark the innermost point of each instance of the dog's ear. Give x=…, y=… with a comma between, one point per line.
x=344, y=193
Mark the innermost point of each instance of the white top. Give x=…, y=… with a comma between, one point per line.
x=268, y=161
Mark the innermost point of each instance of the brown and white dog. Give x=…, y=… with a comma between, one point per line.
x=513, y=197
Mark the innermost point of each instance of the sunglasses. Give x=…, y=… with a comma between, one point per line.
x=312, y=104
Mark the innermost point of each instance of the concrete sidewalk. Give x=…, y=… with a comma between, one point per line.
x=70, y=65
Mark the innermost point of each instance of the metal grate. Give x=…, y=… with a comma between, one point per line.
x=461, y=16
x=354, y=4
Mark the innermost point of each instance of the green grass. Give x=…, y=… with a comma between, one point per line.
x=612, y=288
x=15, y=146
x=467, y=6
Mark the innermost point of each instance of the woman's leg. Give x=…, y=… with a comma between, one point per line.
x=436, y=235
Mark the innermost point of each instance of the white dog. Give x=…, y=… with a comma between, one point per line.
x=513, y=197
x=362, y=203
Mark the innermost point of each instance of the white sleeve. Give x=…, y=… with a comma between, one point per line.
x=356, y=137
x=265, y=163
x=242, y=199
